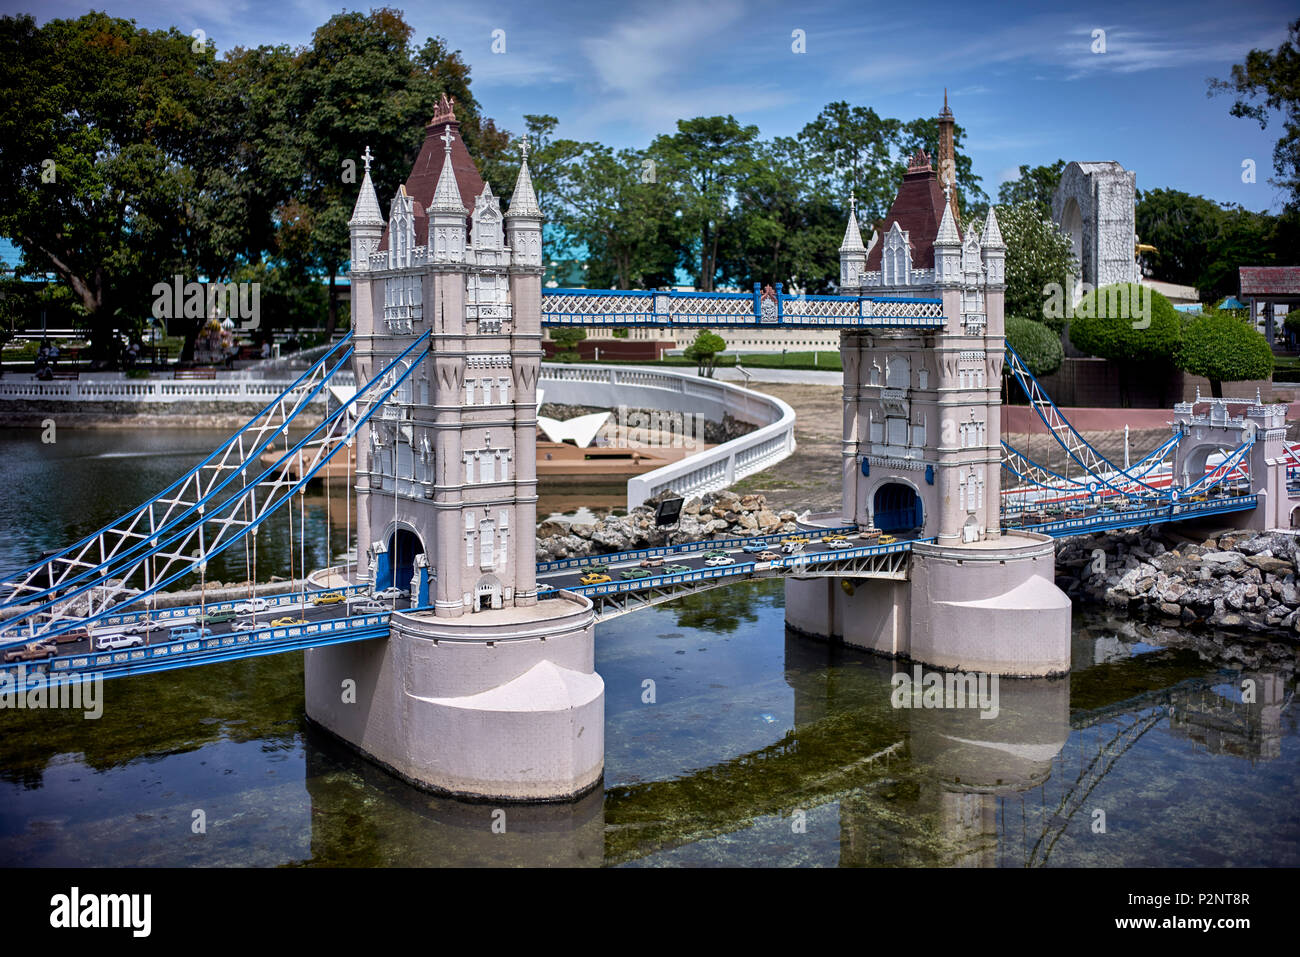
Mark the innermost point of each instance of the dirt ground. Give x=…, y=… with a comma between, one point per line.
x=811, y=478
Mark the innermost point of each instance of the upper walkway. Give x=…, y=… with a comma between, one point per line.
x=773, y=309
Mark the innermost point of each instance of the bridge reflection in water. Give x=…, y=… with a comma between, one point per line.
x=884, y=786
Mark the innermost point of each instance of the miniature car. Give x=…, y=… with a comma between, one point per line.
x=720, y=560
x=792, y=546
x=634, y=573
x=594, y=578
x=869, y=534
x=754, y=546
x=799, y=539
x=391, y=592
x=117, y=642
x=187, y=632
x=675, y=569
x=887, y=539
x=216, y=618
x=769, y=557
x=651, y=562
x=285, y=622
x=367, y=606
x=33, y=652
x=328, y=598
x=142, y=627
x=249, y=625
x=835, y=542
x=716, y=553
x=252, y=606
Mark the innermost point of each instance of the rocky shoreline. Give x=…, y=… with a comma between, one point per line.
x=1240, y=581
x=715, y=515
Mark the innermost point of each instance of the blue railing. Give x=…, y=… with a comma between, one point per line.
x=667, y=308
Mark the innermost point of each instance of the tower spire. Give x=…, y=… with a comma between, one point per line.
x=948, y=156
x=523, y=201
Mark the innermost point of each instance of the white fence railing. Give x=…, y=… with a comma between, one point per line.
x=155, y=391
x=706, y=471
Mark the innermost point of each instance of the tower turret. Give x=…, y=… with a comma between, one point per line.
x=367, y=223
x=524, y=220
x=447, y=212
x=853, y=255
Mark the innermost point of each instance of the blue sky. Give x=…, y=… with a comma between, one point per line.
x=1022, y=77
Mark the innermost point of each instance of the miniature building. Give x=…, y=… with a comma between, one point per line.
x=921, y=408
x=446, y=473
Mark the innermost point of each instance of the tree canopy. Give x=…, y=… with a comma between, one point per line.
x=1035, y=343
x=1038, y=257
x=1223, y=348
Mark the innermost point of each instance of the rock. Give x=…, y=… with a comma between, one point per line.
x=768, y=520
x=692, y=507
x=749, y=521
x=1269, y=564
x=549, y=529
x=582, y=529
x=787, y=517
x=751, y=502
x=1170, y=609
x=1223, y=563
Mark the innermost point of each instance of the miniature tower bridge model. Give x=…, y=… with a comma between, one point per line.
x=491, y=691
x=484, y=683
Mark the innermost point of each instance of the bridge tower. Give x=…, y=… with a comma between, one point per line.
x=922, y=451
x=480, y=689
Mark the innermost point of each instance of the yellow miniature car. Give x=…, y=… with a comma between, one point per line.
x=594, y=578
x=796, y=540
x=329, y=598
x=282, y=622
x=887, y=539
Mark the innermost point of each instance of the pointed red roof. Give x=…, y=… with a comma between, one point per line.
x=423, y=181
x=918, y=208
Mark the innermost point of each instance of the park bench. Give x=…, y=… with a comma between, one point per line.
x=194, y=374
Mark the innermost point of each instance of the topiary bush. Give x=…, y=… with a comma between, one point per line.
x=1036, y=344
x=1223, y=348
x=1130, y=324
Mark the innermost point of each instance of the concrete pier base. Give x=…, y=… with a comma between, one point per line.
x=990, y=606
x=498, y=705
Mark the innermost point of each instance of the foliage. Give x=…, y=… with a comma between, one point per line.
x=703, y=162
x=1035, y=343
x=1126, y=322
x=1270, y=80
x=1038, y=256
x=1036, y=185
x=566, y=337
x=704, y=351
x=1223, y=348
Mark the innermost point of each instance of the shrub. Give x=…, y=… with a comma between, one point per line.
x=1224, y=349
x=1036, y=344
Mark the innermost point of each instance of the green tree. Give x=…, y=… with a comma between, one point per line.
x=614, y=205
x=1223, y=348
x=1039, y=258
x=703, y=161
x=106, y=142
x=566, y=339
x=1038, y=345
x=1270, y=80
x=1130, y=324
x=1183, y=229
x=704, y=351
x=1036, y=185
x=781, y=229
